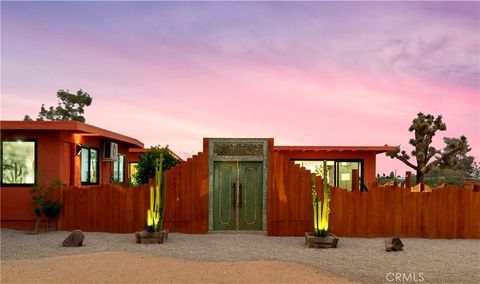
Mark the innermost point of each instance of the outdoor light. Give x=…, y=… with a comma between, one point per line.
x=78, y=149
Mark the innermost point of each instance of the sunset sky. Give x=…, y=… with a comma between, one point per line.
x=309, y=73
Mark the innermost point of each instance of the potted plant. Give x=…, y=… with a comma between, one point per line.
x=154, y=233
x=321, y=238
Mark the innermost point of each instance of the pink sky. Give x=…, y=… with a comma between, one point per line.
x=303, y=73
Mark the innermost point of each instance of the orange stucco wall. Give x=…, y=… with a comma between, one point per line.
x=368, y=158
x=56, y=159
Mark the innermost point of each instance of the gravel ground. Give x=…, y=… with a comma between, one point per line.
x=359, y=259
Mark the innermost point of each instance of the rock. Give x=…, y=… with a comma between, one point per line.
x=393, y=244
x=75, y=239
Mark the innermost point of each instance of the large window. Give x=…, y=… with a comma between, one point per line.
x=18, y=162
x=89, y=171
x=339, y=172
x=118, y=172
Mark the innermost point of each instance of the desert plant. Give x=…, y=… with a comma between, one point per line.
x=157, y=199
x=146, y=167
x=16, y=173
x=43, y=205
x=321, y=214
x=425, y=128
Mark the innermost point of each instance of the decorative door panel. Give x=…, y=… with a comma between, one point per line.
x=250, y=194
x=224, y=211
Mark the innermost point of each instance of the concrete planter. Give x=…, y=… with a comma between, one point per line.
x=145, y=237
x=330, y=241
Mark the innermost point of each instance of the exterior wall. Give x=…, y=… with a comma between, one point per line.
x=17, y=207
x=368, y=157
x=56, y=160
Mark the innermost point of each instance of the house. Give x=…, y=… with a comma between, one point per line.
x=74, y=153
x=234, y=184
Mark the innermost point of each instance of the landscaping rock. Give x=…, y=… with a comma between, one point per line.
x=393, y=244
x=75, y=239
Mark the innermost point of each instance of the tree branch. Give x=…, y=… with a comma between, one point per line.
x=394, y=154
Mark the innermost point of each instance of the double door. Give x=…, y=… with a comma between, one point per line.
x=237, y=193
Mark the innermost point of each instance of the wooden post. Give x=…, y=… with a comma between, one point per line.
x=408, y=180
x=355, y=180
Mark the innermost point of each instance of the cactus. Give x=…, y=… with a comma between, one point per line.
x=157, y=198
x=321, y=214
x=16, y=174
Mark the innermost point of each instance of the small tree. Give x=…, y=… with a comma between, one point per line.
x=147, y=161
x=460, y=161
x=43, y=205
x=424, y=128
x=70, y=107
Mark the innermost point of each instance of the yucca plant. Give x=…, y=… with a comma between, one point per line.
x=157, y=199
x=321, y=214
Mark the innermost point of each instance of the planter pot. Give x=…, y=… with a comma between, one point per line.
x=330, y=241
x=145, y=237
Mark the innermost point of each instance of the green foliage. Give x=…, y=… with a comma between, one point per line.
x=460, y=160
x=424, y=128
x=43, y=205
x=70, y=107
x=438, y=176
x=146, y=164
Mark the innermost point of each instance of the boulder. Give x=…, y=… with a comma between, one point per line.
x=393, y=244
x=75, y=239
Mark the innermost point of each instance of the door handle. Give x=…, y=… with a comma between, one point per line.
x=240, y=203
x=234, y=193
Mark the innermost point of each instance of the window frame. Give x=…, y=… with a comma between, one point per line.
x=118, y=170
x=336, y=167
x=97, y=164
x=35, y=174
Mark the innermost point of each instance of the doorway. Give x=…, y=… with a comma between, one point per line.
x=237, y=195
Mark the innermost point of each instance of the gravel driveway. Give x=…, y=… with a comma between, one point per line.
x=438, y=261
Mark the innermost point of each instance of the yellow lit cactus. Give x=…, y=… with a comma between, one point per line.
x=157, y=199
x=321, y=215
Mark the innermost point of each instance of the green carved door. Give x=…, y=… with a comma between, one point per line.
x=250, y=191
x=237, y=194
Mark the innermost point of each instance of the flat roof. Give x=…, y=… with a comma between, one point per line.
x=144, y=150
x=71, y=126
x=376, y=149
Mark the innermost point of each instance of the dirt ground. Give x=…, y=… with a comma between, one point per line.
x=122, y=267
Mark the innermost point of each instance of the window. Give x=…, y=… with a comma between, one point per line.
x=89, y=166
x=339, y=172
x=19, y=162
x=132, y=173
x=118, y=172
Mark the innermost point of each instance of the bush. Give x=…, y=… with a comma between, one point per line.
x=146, y=164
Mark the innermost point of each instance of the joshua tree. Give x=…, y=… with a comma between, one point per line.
x=424, y=128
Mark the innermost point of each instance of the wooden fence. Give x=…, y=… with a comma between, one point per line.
x=187, y=196
x=447, y=212
x=104, y=208
x=290, y=200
